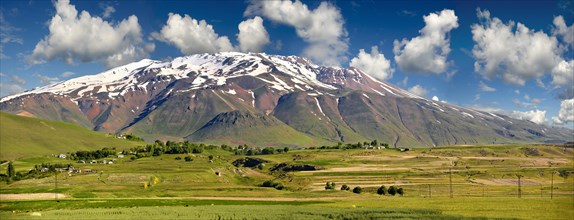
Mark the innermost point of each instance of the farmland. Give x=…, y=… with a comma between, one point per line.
x=483, y=181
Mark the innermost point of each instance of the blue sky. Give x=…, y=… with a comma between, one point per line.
x=455, y=55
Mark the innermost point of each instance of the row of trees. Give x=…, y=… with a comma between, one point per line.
x=393, y=190
x=358, y=145
x=93, y=155
x=39, y=171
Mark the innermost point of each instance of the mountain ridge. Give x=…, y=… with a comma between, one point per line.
x=177, y=98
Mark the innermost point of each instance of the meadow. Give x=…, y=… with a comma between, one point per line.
x=483, y=181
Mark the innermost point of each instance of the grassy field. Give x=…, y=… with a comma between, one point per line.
x=24, y=137
x=484, y=185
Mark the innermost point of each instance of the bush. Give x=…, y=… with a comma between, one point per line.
x=345, y=188
x=382, y=190
x=392, y=190
x=358, y=190
x=400, y=191
x=188, y=159
x=330, y=185
x=177, y=158
x=270, y=183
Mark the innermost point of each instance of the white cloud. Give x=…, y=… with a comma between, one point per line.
x=322, y=28
x=46, y=80
x=536, y=116
x=513, y=55
x=16, y=79
x=374, y=64
x=428, y=52
x=485, y=88
x=191, y=36
x=252, y=35
x=517, y=92
x=562, y=30
x=7, y=35
x=419, y=90
x=404, y=82
x=7, y=89
x=563, y=73
x=67, y=74
x=566, y=113
x=108, y=11
x=435, y=98
x=81, y=36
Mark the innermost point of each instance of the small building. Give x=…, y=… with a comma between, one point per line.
x=110, y=162
x=63, y=156
x=120, y=156
x=82, y=161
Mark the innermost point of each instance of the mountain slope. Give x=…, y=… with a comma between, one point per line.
x=240, y=127
x=178, y=98
x=24, y=136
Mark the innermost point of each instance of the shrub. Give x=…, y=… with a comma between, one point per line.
x=270, y=183
x=177, y=158
x=345, y=188
x=400, y=191
x=188, y=159
x=382, y=190
x=358, y=190
x=330, y=185
x=392, y=190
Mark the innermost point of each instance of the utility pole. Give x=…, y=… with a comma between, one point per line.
x=56, y=187
x=552, y=186
x=450, y=181
x=430, y=194
x=519, y=189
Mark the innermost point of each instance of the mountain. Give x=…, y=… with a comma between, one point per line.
x=24, y=137
x=265, y=99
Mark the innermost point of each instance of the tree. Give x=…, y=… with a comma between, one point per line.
x=188, y=159
x=382, y=190
x=210, y=157
x=330, y=185
x=358, y=190
x=286, y=149
x=375, y=143
x=400, y=191
x=268, y=150
x=392, y=190
x=345, y=188
x=10, y=171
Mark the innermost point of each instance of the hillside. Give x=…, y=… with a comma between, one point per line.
x=239, y=127
x=24, y=137
x=176, y=99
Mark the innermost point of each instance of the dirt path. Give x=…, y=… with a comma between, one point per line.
x=31, y=196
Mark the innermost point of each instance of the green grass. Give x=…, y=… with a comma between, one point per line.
x=23, y=137
x=483, y=186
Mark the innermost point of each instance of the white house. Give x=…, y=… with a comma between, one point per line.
x=63, y=156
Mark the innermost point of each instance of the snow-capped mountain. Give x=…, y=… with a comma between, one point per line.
x=192, y=98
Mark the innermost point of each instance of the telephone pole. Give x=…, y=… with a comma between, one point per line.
x=552, y=186
x=519, y=186
x=450, y=181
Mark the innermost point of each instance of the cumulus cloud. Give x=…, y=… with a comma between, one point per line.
x=428, y=52
x=564, y=31
x=435, y=98
x=485, y=88
x=566, y=113
x=536, y=116
x=563, y=73
x=322, y=28
x=419, y=90
x=191, y=36
x=513, y=54
x=108, y=11
x=81, y=36
x=374, y=63
x=252, y=35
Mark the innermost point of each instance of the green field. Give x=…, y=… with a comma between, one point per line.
x=484, y=185
x=23, y=137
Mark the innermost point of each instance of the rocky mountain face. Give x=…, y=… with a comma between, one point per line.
x=261, y=99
